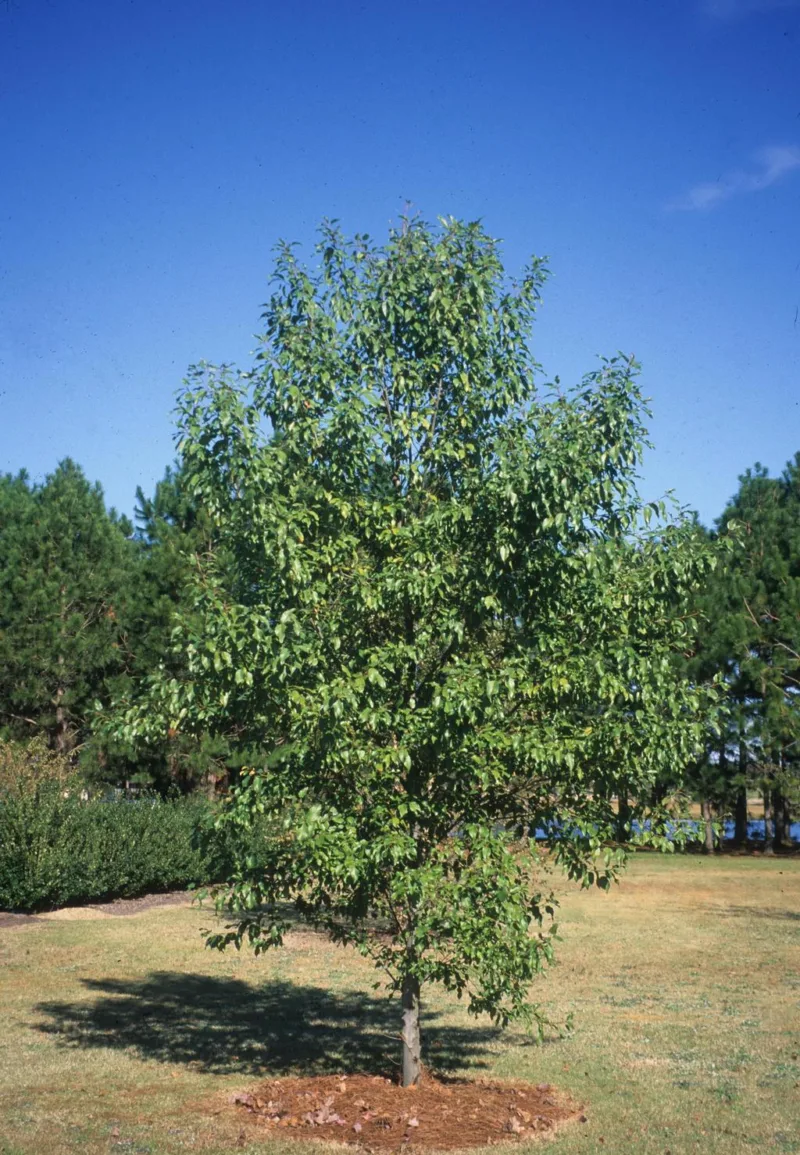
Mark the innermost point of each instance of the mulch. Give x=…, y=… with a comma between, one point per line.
x=116, y=908
x=8, y=919
x=378, y=1115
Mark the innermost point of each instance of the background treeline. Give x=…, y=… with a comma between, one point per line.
x=88, y=605
x=92, y=603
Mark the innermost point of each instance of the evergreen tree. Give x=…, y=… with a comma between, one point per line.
x=65, y=567
x=172, y=534
x=750, y=637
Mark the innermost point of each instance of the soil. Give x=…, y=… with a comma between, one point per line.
x=119, y=906
x=8, y=919
x=378, y=1115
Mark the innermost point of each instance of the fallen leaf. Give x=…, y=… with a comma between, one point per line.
x=413, y=1122
x=357, y=1128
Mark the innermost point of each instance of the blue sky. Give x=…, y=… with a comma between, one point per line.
x=153, y=151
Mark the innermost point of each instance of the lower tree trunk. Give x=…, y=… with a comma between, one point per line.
x=707, y=812
x=740, y=817
x=779, y=813
x=61, y=736
x=768, y=830
x=412, y=1049
x=787, y=821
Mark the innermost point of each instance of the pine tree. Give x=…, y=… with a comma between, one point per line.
x=65, y=566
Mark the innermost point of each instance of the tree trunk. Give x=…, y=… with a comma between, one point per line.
x=779, y=816
x=412, y=1063
x=62, y=734
x=768, y=831
x=740, y=817
x=706, y=811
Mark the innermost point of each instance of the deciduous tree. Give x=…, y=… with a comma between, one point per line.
x=445, y=614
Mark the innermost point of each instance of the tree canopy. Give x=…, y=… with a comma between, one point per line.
x=445, y=616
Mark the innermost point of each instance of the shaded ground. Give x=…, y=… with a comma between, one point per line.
x=224, y=1025
x=380, y=1115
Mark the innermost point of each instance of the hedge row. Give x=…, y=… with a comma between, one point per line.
x=56, y=850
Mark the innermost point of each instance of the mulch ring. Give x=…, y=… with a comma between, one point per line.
x=377, y=1114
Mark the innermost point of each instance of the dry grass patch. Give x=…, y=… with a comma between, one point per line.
x=123, y=1035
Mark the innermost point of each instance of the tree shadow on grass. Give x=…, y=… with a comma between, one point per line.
x=756, y=912
x=225, y=1026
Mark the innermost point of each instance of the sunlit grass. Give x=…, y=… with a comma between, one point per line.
x=125, y=1035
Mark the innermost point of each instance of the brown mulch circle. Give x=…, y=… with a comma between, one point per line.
x=377, y=1114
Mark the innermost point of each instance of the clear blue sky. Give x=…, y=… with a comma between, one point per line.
x=152, y=152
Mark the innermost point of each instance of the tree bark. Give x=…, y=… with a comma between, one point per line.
x=707, y=813
x=779, y=817
x=768, y=831
x=740, y=813
x=61, y=736
x=740, y=817
x=412, y=1048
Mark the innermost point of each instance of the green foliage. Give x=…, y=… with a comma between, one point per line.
x=172, y=530
x=57, y=848
x=444, y=611
x=750, y=638
x=64, y=566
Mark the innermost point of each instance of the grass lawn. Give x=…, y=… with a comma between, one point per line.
x=125, y=1035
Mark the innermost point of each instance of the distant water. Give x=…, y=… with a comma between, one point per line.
x=755, y=830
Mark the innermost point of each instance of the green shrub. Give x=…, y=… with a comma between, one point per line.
x=57, y=847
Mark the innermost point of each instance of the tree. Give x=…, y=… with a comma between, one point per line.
x=442, y=617
x=719, y=774
x=172, y=530
x=749, y=639
x=763, y=583
x=64, y=567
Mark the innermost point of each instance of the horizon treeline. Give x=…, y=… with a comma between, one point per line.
x=92, y=603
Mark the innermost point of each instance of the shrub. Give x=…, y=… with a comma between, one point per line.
x=57, y=847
